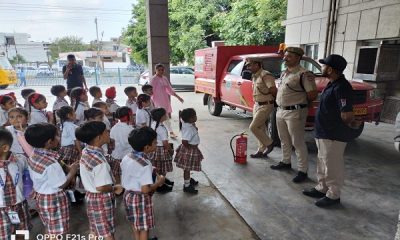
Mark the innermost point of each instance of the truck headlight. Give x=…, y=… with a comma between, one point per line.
x=373, y=94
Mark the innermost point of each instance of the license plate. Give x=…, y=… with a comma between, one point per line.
x=360, y=111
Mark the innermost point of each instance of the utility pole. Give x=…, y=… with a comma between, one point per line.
x=98, y=44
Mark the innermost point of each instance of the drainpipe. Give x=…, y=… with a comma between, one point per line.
x=328, y=24
x=335, y=12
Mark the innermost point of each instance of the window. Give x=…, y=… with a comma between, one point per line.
x=311, y=66
x=186, y=71
x=233, y=64
x=311, y=51
x=175, y=71
x=367, y=60
x=237, y=70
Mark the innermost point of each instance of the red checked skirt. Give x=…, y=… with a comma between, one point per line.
x=53, y=211
x=139, y=210
x=161, y=160
x=6, y=228
x=69, y=154
x=115, y=165
x=100, y=210
x=188, y=158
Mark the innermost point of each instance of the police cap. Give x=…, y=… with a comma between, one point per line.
x=295, y=50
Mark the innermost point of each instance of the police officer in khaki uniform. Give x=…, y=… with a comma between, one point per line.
x=296, y=89
x=264, y=92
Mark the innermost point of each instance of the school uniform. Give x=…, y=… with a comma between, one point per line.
x=59, y=103
x=131, y=103
x=112, y=105
x=38, y=116
x=68, y=152
x=189, y=158
x=96, y=172
x=16, y=147
x=80, y=113
x=12, y=201
x=3, y=117
x=143, y=116
x=161, y=159
x=137, y=172
x=106, y=122
x=119, y=132
x=96, y=100
x=52, y=202
x=26, y=105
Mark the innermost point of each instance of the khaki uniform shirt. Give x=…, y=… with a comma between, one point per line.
x=290, y=91
x=261, y=86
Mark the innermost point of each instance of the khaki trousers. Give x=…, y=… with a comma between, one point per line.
x=291, y=124
x=258, y=125
x=330, y=167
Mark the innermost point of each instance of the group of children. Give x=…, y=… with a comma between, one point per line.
x=106, y=149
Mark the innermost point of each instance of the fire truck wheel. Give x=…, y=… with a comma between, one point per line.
x=3, y=86
x=273, y=130
x=214, y=108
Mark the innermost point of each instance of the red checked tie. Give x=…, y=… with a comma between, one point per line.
x=10, y=195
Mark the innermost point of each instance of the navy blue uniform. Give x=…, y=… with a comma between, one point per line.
x=75, y=76
x=336, y=98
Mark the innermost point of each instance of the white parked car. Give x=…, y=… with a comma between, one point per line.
x=44, y=71
x=181, y=78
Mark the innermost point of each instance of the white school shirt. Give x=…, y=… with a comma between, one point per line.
x=162, y=133
x=16, y=146
x=143, y=117
x=13, y=168
x=60, y=102
x=3, y=117
x=96, y=100
x=99, y=176
x=50, y=180
x=37, y=116
x=68, y=134
x=113, y=107
x=120, y=132
x=106, y=122
x=79, y=112
x=134, y=175
x=190, y=133
x=132, y=105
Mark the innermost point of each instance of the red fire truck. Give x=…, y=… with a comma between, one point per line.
x=220, y=74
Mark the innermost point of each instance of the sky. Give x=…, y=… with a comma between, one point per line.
x=46, y=20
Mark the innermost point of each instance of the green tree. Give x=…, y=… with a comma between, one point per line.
x=17, y=59
x=66, y=44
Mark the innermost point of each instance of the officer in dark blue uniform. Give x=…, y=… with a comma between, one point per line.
x=334, y=124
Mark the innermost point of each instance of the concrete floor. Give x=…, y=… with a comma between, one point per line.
x=267, y=200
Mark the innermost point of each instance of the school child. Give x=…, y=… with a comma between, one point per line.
x=18, y=118
x=111, y=93
x=13, y=207
x=119, y=133
x=70, y=151
x=25, y=93
x=188, y=155
x=96, y=93
x=143, y=116
x=60, y=92
x=138, y=182
x=49, y=180
x=162, y=157
x=132, y=94
x=79, y=103
x=37, y=109
x=104, y=108
x=97, y=179
x=6, y=103
x=148, y=89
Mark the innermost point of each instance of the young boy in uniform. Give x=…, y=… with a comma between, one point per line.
x=132, y=94
x=96, y=93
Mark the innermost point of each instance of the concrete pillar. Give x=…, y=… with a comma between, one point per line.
x=157, y=34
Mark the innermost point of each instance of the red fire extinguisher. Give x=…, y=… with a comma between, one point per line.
x=241, y=148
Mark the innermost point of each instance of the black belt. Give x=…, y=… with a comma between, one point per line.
x=294, y=107
x=265, y=103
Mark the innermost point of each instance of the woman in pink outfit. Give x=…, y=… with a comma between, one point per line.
x=162, y=90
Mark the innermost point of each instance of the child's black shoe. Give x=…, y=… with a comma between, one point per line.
x=190, y=189
x=169, y=182
x=194, y=182
x=164, y=189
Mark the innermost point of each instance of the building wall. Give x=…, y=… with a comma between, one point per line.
x=358, y=20
x=31, y=51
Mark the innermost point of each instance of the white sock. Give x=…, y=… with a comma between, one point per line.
x=187, y=183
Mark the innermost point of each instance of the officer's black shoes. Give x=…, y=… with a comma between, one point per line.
x=314, y=193
x=164, y=188
x=257, y=155
x=169, y=182
x=190, y=189
x=269, y=149
x=194, y=182
x=281, y=166
x=327, y=202
x=301, y=177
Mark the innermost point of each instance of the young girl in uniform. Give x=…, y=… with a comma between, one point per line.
x=25, y=94
x=49, y=180
x=104, y=108
x=143, y=116
x=138, y=181
x=37, y=109
x=6, y=103
x=111, y=94
x=188, y=155
x=13, y=210
x=70, y=151
x=97, y=179
x=131, y=102
x=119, y=133
x=96, y=93
x=162, y=157
x=79, y=103
x=60, y=93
